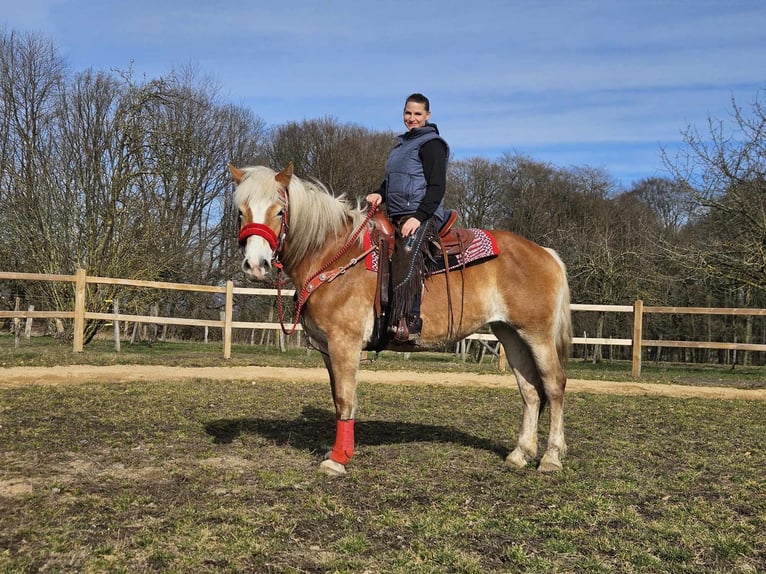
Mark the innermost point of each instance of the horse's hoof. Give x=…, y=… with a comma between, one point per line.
x=550, y=464
x=332, y=468
x=517, y=459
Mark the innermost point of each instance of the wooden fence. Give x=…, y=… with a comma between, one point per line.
x=80, y=314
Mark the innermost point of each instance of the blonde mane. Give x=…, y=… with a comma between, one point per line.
x=315, y=214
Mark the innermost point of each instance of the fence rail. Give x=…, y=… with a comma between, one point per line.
x=80, y=314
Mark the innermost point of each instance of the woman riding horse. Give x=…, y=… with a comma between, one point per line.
x=522, y=294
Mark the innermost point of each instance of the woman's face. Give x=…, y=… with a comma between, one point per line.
x=415, y=115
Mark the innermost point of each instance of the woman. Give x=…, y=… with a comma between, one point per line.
x=413, y=189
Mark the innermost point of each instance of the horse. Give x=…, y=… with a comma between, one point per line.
x=522, y=294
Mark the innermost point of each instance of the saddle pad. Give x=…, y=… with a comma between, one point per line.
x=483, y=246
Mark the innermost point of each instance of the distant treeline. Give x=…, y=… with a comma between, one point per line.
x=126, y=177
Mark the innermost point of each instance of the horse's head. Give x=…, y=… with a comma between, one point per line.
x=262, y=199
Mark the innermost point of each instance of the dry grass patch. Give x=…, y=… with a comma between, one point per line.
x=208, y=476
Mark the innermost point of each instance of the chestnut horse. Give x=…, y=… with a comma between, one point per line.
x=522, y=294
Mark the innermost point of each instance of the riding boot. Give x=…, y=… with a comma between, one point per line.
x=414, y=322
x=414, y=326
x=408, y=275
x=408, y=330
x=401, y=331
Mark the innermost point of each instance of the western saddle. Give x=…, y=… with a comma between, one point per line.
x=451, y=242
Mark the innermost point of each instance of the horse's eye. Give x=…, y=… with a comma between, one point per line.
x=280, y=213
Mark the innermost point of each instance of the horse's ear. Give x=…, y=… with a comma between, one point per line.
x=236, y=173
x=284, y=176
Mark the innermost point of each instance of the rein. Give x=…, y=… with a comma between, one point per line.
x=320, y=277
x=277, y=243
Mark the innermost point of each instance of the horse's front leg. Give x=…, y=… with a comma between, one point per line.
x=342, y=362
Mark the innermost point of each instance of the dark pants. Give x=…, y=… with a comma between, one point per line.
x=408, y=270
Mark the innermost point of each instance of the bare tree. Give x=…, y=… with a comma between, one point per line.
x=669, y=199
x=347, y=158
x=120, y=177
x=31, y=79
x=477, y=188
x=537, y=200
x=726, y=171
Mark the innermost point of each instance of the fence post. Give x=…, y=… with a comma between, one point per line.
x=79, y=310
x=227, y=319
x=28, y=326
x=154, y=311
x=16, y=324
x=638, y=333
x=116, y=311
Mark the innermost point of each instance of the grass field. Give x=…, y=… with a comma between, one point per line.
x=206, y=476
x=221, y=477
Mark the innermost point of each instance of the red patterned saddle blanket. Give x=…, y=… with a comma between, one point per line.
x=481, y=246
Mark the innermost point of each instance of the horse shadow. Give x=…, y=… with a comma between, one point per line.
x=312, y=430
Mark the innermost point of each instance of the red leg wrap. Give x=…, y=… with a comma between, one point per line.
x=344, y=441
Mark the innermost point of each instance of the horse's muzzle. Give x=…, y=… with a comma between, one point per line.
x=259, y=271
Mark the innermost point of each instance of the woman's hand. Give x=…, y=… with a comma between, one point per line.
x=410, y=226
x=374, y=199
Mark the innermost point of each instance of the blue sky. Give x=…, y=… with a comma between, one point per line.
x=599, y=83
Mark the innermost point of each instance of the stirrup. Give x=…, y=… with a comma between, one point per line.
x=408, y=331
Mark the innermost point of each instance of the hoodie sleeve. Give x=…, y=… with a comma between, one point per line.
x=433, y=155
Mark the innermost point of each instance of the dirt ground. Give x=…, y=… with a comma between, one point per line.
x=21, y=376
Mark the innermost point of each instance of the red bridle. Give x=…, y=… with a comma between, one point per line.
x=276, y=243
x=262, y=230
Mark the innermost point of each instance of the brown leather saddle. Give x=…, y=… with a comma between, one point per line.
x=451, y=242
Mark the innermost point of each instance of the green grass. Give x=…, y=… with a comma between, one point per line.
x=45, y=351
x=205, y=476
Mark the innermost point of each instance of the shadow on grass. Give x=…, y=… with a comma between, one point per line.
x=313, y=429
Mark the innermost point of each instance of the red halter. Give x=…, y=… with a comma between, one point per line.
x=261, y=230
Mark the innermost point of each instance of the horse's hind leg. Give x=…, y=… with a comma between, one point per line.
x=532, y=394
x=541, y=380
x=554, y=382
x=526, y=445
